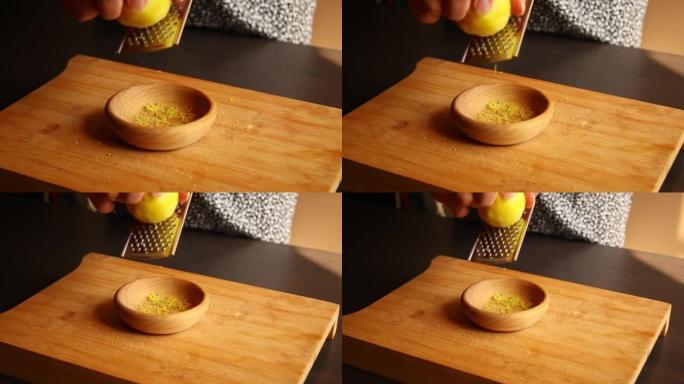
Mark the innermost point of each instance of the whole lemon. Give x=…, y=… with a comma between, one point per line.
x=154, y=209
x=488, y=24
x=151, y=14
x=504, y=213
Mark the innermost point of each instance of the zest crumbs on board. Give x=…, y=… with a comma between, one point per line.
x=503, y=303
x=158, y=304
x=163, y=115
x=504, y=112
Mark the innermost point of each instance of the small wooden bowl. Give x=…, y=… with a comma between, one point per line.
x=130, y=296
x=128, y=103
x=473, y=100
x=477, y=295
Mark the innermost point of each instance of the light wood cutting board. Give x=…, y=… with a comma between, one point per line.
x=595, y=142
x=70, y=333
x=419, y=333
x=58, y=134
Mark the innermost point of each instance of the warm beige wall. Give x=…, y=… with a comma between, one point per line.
x=327, y=27
x=656, y=223
x=317, y=222
x=664, y=26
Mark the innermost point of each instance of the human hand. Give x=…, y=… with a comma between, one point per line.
x=461, y=202
x=104, y=202
x=84, y=10
x=429, y=11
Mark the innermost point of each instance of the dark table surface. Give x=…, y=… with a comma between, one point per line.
x=382, y=45
x=385, y=248
x=40, y=36
x=43, y=242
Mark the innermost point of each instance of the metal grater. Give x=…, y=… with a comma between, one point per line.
x=500, y=245
x=155, y=241
x=164, y=34
x=502, y=46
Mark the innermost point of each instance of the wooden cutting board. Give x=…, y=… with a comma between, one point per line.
x=58, y=134
x=70, y=333
x=595, y=142
x=419, y=333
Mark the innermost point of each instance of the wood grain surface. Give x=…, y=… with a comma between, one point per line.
x=70, y=333
x=595, y=142
x=419, y=333
x=58, y=134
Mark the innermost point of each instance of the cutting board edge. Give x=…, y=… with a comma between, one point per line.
x=41, y=86
x=81, y=59
x=331, y=331
x=49, y=173
x=428, y=61
x=63, y=371
x=425, y=62
x=90, y=258
x=451, y=259
x=364, y=176
x=23, y=365
x=390, y=357
x=670, y=163
x=383, y=362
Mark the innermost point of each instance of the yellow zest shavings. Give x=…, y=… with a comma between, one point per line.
x=503, y=303
x=163, y=115
x=504, y=112
x=158, y=304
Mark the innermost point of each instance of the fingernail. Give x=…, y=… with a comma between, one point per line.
x=507, y=195
x=482, y=6
x=137, y=4
x=133, y=197
x=156, y=194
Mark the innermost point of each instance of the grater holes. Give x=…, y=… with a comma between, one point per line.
x=499, y=243
x=162, y=34
x=498, y=47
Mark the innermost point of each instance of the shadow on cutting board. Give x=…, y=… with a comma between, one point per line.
x=106, y=313
x=98, y=127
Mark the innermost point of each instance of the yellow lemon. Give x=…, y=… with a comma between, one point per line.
x=488, y=24
x=151, y=14
x=504, y=213
x=154, y=209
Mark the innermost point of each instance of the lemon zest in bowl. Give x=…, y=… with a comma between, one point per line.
x=163, y=115
x=503, y=303
x=158, y=304
x=504, y=112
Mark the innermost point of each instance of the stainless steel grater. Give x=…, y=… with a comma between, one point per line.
x=500, y=245
x=155, y=241
x=502, y=46
x=164, y=34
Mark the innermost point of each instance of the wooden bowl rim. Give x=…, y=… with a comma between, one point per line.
x=205, y=118
x=479, y=124
x=200, y=307
x=484, y=313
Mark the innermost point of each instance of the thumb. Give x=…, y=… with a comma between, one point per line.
x=482, y=6
x=136, y=4
x=507, y=195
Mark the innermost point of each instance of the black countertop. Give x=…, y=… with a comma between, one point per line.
x=382, y=45
x=385, y=248
x=43, y=242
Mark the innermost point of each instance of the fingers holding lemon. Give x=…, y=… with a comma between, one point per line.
x=152, y=13
x=155, y=208
x=504, y=212
x=488, y=23
x=475, y=17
